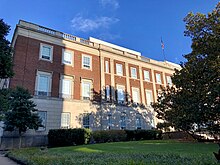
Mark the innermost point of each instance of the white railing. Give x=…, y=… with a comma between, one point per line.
x=69, y=37
x=46, y=30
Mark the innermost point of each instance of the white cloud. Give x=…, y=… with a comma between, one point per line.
x=109, y=3
x=79, y=23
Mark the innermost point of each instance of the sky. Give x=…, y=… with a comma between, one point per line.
x=134, y=24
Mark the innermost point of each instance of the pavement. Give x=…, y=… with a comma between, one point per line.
x=6, y=161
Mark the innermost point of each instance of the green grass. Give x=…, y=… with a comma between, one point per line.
x=136, y=152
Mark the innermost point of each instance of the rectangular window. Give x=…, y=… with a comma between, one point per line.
x=65, y=120
x=86, y=62
x=120, y=94
x=86, y=90
x=106, y=66
x=109, y=121
x=169, y=81
x=43, y=116
x=46, y=52
x=135, y=95
x=119, y=69
x=149, y=97
x=123, y=121
x=86, y=122
x=66, y=87
x=133, y=72
x=107, y=92
x=43, y=86
x=146, y=75
x=158, y=78
x=138, y=122
x=67, y=57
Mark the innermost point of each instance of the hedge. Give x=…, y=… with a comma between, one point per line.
x=68, y=137
x=143, y=134
x=109, y=136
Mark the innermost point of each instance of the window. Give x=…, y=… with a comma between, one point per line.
x=106, y=67
x=65, y=120
x=109, y=121
x=66, y=86
x=107, y=92
x=135, y=95
x=67, y=57
x=43, y=83
x=120, y=94
x=86, y=89
x=86, y=62
x=146, y=75
x=43, y=116
x=86, y=120
x=123, y=121
x=169, y=81
x=46, y=52
x=149, y=97
x=138, y=122
x=158, y=78
x=133, y=72
x=119, y=70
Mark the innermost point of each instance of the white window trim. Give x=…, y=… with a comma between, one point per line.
x=44, y=127
x=147, y=79
x=68, y=124
x=119, y=73
x=135, y=89
x=91, y=87
x=106, y=66
x=37, y=80
x=134, y=76
x=152, y=99
x=125, y=124
x=106, y=92
x=158, y=82
x=51, y=53
x=89, y=120
x=90, y=57
x=169, y=77
x=70, y=78
x=72, y=57
x=121, y=87
x=136, y=123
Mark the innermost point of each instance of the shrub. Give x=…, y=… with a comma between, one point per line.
x=143, y=134
x=109, y=136
x=68, y=137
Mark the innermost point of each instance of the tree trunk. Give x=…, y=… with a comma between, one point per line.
x=19, y=146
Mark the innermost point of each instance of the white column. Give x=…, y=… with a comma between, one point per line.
x=142, y=85
x=128, y=81
x=112, y=79
x=164, y=79
x=102, y=62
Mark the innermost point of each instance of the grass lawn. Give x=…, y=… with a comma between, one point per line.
x=136, y=152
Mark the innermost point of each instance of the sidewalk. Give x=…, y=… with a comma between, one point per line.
x=6, y=161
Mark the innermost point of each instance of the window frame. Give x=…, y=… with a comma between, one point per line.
x=123, y=121
x=90, y=62
x=82, y=89
x=138, y=122
x=72, y=57
x=106, y=66
x=169, y=78
x=134, y=76
x=41, y=51
x=123, y=88
x=117, y=71
x=107, y=92
x=147, y=78
x=157, y=80
x=68, y=120
x=49, y=75
x=71, y=80
x=87, y=116
x=43, y=122
x=151, y=95
x=136, y=90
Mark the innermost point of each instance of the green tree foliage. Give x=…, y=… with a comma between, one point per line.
x=4, y=104
x=5, y=52
x=22, y=114
x=195, y=102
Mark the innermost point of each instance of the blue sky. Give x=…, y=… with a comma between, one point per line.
x=137, y=25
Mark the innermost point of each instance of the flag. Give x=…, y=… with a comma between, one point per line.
x=162, y=44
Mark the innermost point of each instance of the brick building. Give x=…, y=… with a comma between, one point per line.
x=86, y=83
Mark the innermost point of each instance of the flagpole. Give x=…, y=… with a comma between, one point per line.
x=162, y=46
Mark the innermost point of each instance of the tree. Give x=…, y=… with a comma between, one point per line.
x=5, y=52
x=194, y=103
x=22, y=114
x=4, y=104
